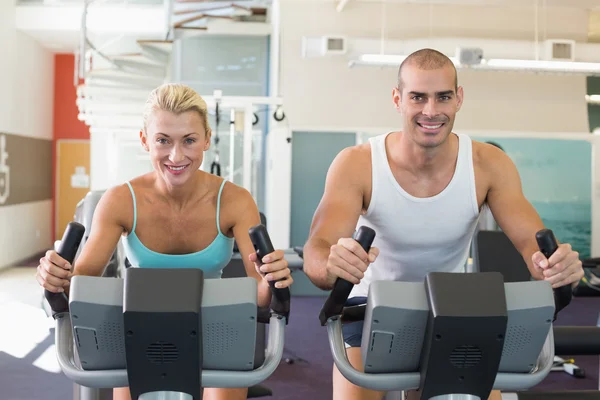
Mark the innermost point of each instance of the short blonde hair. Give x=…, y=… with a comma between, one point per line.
x=176, y=98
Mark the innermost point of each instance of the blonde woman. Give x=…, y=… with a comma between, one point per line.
x=174, y=215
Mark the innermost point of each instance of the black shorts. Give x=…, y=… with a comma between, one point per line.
x=352, y=331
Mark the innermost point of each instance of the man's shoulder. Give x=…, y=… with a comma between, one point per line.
x=491, y=163
x=358, y=150
x=351, y=166
x=486, y=154
x=354, y=157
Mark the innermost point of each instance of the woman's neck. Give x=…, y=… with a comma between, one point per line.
x=180, y=196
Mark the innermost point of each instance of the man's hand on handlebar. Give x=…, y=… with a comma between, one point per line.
x=53, y=272
x=562, y=268
x=349, y=261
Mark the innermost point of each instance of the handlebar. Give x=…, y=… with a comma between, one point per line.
x=67, y=249
x=280, y=301
x=334, y=304
x=548, y=245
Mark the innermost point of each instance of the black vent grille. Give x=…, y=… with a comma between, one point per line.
x=465, y=356
x=162, y=353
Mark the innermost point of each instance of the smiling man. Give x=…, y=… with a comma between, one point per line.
x=421, y=189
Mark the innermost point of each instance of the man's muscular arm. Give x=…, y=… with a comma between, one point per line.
x=336, y=217
x=517, y=217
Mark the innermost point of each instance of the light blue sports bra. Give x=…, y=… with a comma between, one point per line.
x=211, y=260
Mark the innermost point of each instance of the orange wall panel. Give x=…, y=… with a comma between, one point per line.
x=65, y=125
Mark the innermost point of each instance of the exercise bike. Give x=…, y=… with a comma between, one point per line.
x=453, y=336
x=164, y=333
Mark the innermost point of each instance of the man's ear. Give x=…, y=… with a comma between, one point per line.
x=459, y=97
x=144, y=141
x=397, y=99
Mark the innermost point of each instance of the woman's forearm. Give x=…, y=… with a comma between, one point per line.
x=264, y=293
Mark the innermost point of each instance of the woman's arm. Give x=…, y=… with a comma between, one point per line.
x=54, y=273
x=108, y=224
x=274, y=266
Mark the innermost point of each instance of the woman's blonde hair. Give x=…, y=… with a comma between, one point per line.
x=176, y=98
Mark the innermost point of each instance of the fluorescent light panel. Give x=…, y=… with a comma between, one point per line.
x=557, y=66
x=593, y=99
x=548, y=65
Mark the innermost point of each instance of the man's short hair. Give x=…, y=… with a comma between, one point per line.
x=427, y=59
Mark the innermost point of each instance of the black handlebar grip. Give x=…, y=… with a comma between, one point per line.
x=280, y=302
x=59, y=303
x=548, y=245
x=342, y=288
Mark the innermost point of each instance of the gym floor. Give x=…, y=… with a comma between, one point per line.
x=29, y=371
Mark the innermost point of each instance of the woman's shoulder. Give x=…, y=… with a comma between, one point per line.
x=236, y=202
x=123, y=192
x=234, y=194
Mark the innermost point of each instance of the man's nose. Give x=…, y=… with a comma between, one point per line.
x=430, y=108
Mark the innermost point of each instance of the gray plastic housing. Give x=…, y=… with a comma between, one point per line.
x=90, y=340
x=394, y=331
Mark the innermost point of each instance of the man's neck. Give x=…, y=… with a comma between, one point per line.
x=422, y=160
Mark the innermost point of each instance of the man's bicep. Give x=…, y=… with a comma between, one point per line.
x=334, y=219
x=342, y=202
x=515, y=215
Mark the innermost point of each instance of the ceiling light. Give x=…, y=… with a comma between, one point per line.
x=593, y=99
x=571, y=67
x=559, y=66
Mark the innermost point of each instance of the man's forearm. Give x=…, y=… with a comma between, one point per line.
x=316, y=254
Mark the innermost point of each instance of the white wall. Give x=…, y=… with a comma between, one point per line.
x=116, y=158
x=324, y=92
x=26, y=100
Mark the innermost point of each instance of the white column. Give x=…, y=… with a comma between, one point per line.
x=274, y=48
x=278, y=184
x=101, y=167
x=247, y=149
x=278, y=157
x=232, y=145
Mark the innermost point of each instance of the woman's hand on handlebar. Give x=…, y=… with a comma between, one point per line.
x=349, y=261
x=273, y=267
x=53, y=272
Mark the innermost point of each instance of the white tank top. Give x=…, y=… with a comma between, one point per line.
x=416, y=236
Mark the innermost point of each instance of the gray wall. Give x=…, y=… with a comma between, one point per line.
x=312, y=154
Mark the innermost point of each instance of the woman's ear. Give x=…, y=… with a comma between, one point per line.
x=144, y=140
x=207, y=141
